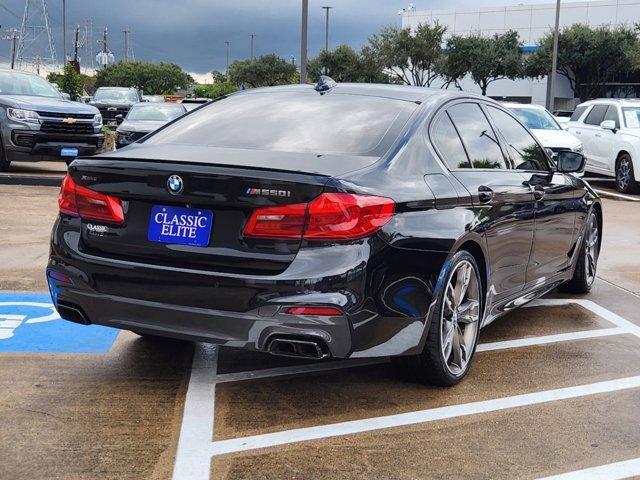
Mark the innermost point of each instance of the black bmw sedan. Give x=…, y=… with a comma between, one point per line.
x=335, y=221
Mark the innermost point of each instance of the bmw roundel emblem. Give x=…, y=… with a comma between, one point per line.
x=175, y=185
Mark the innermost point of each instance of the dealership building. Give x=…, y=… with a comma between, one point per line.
x=532, y=22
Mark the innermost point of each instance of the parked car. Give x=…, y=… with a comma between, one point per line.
x=545, y=127
x=37, y=123
x=144, y=118
x=153, y=98
x=193, y=103
x=334, y=221
x=114, y=101
x=562, y=117
x=610, y=132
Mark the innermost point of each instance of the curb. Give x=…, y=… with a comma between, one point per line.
x=616, y=196
x=32, y=180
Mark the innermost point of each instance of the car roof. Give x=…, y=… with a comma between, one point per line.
x=631, y=102
x=531, y=106
x=397, y=92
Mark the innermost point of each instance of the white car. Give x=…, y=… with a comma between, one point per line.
x=610, y=131
x=545, y=127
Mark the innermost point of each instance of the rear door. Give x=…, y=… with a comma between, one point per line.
x=505, y=205
x=554, y=193
x=605, y=140
x=591, y=136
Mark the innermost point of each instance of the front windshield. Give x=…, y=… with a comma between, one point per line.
x=15, y=83
x=536, y=119
x=155, y=113
x=631, y=117
x=115, y=95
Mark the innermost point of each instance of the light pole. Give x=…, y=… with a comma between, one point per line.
x=551, y=92
x=252, y=35
x=64, y=32
x=326, y=28
x=227, y=44
x=303, y=41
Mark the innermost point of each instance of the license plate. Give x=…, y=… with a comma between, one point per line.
x=69, y=152
x=180, y=226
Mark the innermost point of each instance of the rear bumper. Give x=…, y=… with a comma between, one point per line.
x=384, y=307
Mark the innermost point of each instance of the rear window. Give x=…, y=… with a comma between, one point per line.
x=294, y=122
x=577, y=113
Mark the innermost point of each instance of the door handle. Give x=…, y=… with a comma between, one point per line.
x=598, y=135
x=577, y=132
x=538, y=192
x=485, y=194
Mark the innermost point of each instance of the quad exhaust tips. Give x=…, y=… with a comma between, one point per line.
x=300, y=348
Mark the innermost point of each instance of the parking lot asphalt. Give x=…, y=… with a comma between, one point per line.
x=554, y=389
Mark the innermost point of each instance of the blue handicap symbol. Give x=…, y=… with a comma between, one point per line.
x=30, y=323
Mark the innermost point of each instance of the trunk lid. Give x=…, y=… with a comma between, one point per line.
x=231, y=193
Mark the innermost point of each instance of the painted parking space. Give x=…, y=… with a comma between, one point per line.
x=275, y=419
x=30, y=324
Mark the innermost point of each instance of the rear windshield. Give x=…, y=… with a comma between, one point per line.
x=294, y=122
x=163, y=112
x=536, y=119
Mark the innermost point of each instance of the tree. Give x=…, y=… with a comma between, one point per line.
x=411, y=57
x=153, y=78
x=214, y=90
x=588, y=57
x=265, y=71
x=485, y=59
x=218, y=76
x=344, y=64
x=70, y=81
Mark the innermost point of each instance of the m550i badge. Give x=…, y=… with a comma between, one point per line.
x=266, y=192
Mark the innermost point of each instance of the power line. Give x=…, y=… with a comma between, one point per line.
x=7, y=9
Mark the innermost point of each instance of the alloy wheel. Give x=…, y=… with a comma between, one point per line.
x=623, y=175
x=591, y=249
x=460, y=317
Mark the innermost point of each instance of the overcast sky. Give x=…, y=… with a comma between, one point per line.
x=192, y=33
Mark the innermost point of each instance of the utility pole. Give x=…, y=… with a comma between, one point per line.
x=303, y=41
x=126, y=32
x=227, y=70
x=551, y=82
x=326, y=28
x=12, y=36
x=253, y=35
x=64, y=32
x=76, y=44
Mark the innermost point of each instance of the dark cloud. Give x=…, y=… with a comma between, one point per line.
x=192, y=32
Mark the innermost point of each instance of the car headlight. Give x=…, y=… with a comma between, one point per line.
x=20, y=115
x=97, y=119
x=578, y=149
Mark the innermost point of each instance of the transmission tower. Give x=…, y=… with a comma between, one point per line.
x=35, y=46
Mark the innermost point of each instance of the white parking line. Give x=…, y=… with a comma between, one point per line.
x=421, y=416
x=196, y=448
x=612, y=471
x=547, y=339
x=193, y=458
x=605, y=193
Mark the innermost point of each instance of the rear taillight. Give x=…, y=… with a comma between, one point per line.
x=88, y=204
x=330, y=216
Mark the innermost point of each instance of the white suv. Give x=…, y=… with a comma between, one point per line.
x=610, y=132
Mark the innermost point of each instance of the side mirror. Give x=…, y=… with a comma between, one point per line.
x=66, y=96
x=570, y=162
x=609, y=125
x=119, y=118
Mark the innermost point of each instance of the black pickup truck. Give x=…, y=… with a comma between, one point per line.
x=114, y=101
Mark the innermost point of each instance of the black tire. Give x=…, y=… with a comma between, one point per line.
x=4, y=162
x=430, y=366
x=584, y=274
x=625, y=177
